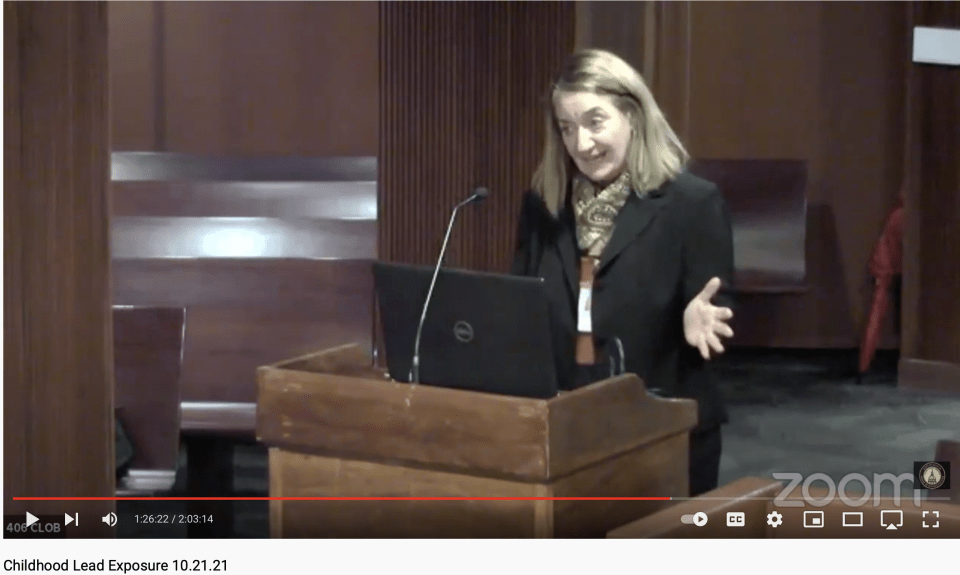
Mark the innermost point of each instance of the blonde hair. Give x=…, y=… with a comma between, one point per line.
x=656, y=155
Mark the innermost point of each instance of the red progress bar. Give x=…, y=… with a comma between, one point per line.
x=341, y=498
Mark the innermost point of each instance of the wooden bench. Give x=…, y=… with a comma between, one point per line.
x=768, y=208
x=147, y=353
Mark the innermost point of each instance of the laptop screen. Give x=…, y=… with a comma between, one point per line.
x=482, y=332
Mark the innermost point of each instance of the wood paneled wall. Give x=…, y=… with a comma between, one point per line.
x=931, y=287
x=280, y=78
x=461, y=87
x=136, y=104
x=275, y=79
x=654, y=38
x=58, y=364
x=773, y=80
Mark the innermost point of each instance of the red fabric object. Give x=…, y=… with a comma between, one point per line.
x=886, y=262
x=887, y=259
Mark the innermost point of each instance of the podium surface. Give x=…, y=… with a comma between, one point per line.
x=337, y=427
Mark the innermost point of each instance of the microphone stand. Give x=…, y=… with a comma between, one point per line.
x=478, y=195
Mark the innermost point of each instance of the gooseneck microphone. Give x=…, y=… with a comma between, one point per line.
x=480, y=193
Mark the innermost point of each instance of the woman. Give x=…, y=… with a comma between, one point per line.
x=633, y=249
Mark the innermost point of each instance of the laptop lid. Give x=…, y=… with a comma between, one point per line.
x=483, y=332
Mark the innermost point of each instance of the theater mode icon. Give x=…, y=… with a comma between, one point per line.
x=853, y=518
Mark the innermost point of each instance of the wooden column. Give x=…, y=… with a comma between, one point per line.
x=460, y=91
x=931, y=268
x=58, y=365
x=652, y=36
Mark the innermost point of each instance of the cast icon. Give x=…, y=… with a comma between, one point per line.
x=891, y=519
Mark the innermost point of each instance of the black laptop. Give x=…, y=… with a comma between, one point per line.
x=483, y=332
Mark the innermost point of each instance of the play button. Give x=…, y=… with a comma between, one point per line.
x=31, y=519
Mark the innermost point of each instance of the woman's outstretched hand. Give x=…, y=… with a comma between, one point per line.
x=704, y=323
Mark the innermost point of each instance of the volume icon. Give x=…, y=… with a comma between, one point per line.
x=110, y=519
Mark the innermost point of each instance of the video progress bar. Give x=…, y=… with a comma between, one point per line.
x=344, y=498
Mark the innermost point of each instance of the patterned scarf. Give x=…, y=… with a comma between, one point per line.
x=595, y=211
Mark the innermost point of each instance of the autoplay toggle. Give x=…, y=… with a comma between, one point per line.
x=699, y=519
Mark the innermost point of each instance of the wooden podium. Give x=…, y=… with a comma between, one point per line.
x=337, y=427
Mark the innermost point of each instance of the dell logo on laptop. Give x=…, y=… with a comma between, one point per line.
x=463, y=331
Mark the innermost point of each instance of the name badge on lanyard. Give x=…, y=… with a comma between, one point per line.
x=584, y=323
x=585, y=301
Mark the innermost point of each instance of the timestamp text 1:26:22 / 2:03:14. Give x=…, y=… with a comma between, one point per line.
x=172, y=519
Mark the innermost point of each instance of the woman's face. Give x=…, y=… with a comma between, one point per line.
x=595, y=132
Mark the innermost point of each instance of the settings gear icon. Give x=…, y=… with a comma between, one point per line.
x=774, y=519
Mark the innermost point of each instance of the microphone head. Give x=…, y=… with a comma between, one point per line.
x=480, y=193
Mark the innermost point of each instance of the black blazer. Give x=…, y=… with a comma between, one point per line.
x=665, y=247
